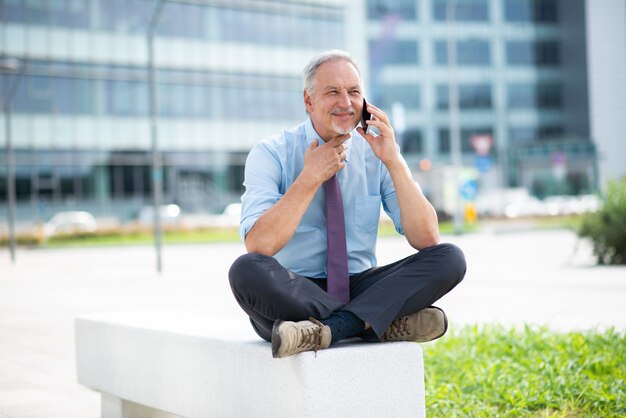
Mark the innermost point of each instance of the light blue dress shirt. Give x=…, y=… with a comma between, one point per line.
x=272, y=167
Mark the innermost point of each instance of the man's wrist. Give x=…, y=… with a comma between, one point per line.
x=308, y=182
x=394, y=163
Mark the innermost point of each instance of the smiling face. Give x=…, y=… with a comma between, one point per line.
x=336, y=102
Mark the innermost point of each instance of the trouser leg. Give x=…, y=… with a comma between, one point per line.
x=267, y=291
x=382, y=294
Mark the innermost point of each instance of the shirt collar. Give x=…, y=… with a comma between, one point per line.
x=311, y=135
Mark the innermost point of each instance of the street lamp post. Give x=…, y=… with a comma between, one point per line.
x=157, y=166
x=11, y=66
x=453, y=107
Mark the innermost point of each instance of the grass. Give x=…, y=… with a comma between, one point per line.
x=125, y=236
x=208, y=235
x=491, y=371
x=145, y=237
x=568, y=222
x=483, y=371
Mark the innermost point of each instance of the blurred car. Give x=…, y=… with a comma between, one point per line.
x=526, y=207
x=230, y=216
x=590, y=203
x=568, y=205
x=233, y=210
x=169, y=214
x=71, y=222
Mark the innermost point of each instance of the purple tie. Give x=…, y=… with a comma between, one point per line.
x=337, y=256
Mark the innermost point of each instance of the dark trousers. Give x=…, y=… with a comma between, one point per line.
x=267, y=291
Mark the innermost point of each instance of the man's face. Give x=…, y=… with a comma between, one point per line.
x=336, y=102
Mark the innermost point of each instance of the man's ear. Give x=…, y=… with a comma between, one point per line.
x=308, y=102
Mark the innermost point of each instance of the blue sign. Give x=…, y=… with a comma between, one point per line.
x=469, y=189
x=483, y=163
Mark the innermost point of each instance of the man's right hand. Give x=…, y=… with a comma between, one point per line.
x=273, y=230
x=321, y=162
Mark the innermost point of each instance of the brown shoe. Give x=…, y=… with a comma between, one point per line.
x=290, y=338
x=425, y=325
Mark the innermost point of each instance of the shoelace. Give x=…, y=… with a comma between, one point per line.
x=311, y=337
x=398, y=328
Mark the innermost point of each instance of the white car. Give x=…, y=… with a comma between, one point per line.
x=529, y=206
x=230, y=216
x=169, y=214
x=71, y=222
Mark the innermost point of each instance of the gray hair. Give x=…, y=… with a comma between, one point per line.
x=310, y=71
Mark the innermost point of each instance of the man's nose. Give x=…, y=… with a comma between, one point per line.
x=344, y=99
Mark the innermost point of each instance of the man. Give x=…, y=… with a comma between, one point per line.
x=282, y=282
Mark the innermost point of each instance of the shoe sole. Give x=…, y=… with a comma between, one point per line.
x=276, y=341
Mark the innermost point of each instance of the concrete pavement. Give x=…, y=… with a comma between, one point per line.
x=513, y=278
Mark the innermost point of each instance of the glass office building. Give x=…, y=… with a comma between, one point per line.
x=227, y=74
x=520, y=73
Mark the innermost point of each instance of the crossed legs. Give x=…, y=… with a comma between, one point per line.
x=266, y=291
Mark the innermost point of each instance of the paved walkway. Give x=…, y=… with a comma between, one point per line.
x=538, y=277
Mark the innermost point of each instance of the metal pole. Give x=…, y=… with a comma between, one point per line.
x=10, y=181
x=11, y=65
x=453, y=107
x=157, y=165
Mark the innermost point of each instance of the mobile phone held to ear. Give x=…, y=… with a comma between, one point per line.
x=369, y=129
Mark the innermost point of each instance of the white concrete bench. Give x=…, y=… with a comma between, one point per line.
x=167, y=364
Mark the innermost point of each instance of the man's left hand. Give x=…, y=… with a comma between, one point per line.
x=383, y=145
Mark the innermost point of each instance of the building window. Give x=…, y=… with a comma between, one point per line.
x=259, y=103
x=179, y=100
x=549, y=96
x=540, y=11
x=55, y=95
x=284, y=25
x=539, y=53
x=398, y=52
x=445, y=144
x=471, y=52
x=126, y=98
x=471, y=96
x=123, y=16
x=408, y=95
x=521, y=134
x=550, y=132
x=412, y=142
x=380, y=9
x=443, y=141
x=181, y=94
x=13, y=11
x=70, y=13
x=237, y=25
x=542, y=96
x=182, y=20
x=464, y=11
x=41, y=95
x=521, y=96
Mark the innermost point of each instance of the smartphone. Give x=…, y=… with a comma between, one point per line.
x=369, y=129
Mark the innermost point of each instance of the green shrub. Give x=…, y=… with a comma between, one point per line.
x=607, y=227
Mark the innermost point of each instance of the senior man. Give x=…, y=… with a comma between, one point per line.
x=309, y=221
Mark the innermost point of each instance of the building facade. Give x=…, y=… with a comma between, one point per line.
x=606, y=40
x=228, y=73
x=519, y=72
x=528, y=74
